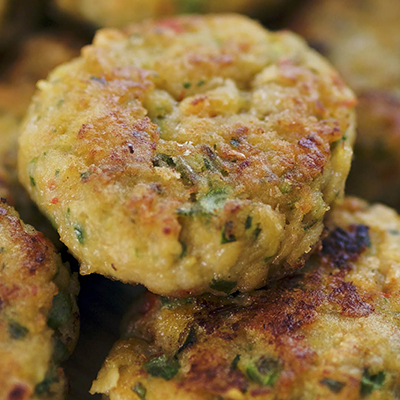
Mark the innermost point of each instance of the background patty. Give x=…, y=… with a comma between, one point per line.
x=362, y=39
x=191, y=154
x=39, y=319
x=118, y=13
x=331, y=331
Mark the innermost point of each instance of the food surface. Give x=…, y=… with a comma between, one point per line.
x=118, y=13
x=331, y=331
x=36, y=58
x=39, y=320
x=191, y=154
x=362, y=39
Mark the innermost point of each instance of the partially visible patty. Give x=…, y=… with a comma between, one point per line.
x=362, y=39
x=39, y=319
x=190, y=154
x=118, y=13
x=35, y=59
x=331, y=331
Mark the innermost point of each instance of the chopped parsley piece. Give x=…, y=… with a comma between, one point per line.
x=162, y=366
x=201, y=82
x=247, y=224
x=235, y=362
x=32, y=180
x=222, y=285
x=187, y=85
x=257, y=232
x=234, y=142
x=370, y=382
x=332, y=385
x=60, y=311
x=79, y=233
x=189, y=341
x=44, y=386
x=265, y=371
x=17, y=331
x=140, y=390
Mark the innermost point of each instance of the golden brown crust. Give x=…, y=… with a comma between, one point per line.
x=185, y=152
x=39, y=320
x=361, y=38
x=331, y=331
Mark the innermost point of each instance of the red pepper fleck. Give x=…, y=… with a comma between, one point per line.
x=55, y=200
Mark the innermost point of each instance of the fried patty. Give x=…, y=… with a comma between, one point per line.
x=190, y=154
x=331, y=331
x=39, y=320
x=118, y=13
x=36, y=58
x=362, y=39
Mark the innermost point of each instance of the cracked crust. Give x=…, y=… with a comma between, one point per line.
x=330, y=331
x=190, y=154
x=362, y=38
x=37, y=331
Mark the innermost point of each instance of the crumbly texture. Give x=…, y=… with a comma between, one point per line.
x=36, y=58
x=331, y=331
x=190, y=154
x=362, y=39
x=119, y=13
x=39, y=320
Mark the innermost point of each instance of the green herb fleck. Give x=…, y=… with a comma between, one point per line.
x=235, y=362
x=201, y=82
x=17, y=331
x=85, y=175
x=60, y=311
x=234, y=142
x=370, y=382
x=213, y=200
x=221, y=285
x=227, y=235
x=332, y=385
x=80, y=234
x=394, y=232
x=187, y=85
x=266, y=259
x=310, y=225
x=285, y=187
x=189, y=341
x=44, y=386
x=257, y=232
x=32, y=180
x=140, y=390
x=247, y=224
x=265, y=371
x=184, y=249
x=171, y=304
x=57, y=172
x=162, y=366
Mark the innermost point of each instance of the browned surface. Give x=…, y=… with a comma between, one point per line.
x=335, y=319
x=31, y=275
x=162, y=140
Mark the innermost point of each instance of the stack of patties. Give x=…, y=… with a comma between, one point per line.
x=199, y=156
